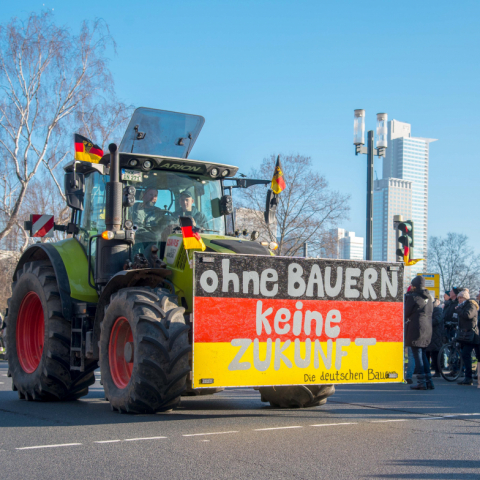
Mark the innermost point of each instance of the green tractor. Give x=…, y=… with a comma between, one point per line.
x=104, y=297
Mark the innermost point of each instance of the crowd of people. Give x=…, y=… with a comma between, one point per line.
x=429, y=323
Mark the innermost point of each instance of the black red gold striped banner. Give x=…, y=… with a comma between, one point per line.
x=262, y=320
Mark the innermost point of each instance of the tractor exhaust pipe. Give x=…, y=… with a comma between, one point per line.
x=113, y=207
x=112, y=253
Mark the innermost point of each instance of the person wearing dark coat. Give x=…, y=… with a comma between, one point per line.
x=418, y=330
x=478, y=356
x=467, y=315
x=437, y=337
x=2, y=333
x=450, y=306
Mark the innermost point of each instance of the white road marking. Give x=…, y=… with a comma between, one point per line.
x=333, y=424
x=256, y=430
x=4, y=375
x=275, y=428
x=212, y=433
x=464, y=415
x=142, y=438
x=49, y=446
x=395, y=420
x=2, y=383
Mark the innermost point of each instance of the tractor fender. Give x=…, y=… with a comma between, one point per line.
x=46, y=251
x=145, y=277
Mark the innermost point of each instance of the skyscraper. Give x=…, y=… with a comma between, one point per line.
x=406, y=159
x=348, y=246
x=391, y=196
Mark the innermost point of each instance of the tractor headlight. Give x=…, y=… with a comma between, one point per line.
x=214, y=172
x=147, y=164
x=225, y=173
x=133, y=162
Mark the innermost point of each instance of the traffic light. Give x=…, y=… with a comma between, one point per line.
x=405, y=241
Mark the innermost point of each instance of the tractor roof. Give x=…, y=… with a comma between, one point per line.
x=163, y=138
x=160, y=132
x=136, y=161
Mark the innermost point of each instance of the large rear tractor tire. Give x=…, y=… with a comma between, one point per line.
x=144, y=351
x=38, y=339
x=300, y=396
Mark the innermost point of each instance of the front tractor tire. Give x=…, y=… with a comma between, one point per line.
x=144, y=351
x=38, y=339
x=300, y=396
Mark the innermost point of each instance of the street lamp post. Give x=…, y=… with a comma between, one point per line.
x=370, y=151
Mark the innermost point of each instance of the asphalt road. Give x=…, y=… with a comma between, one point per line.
x=364, y=431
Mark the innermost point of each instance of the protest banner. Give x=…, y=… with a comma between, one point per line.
x=263, y=320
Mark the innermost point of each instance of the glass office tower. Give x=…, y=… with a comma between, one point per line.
x=406, y=159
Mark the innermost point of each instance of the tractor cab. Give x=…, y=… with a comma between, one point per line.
x=136, y=196
x=157, y=191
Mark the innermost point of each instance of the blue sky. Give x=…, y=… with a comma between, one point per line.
x=285, y=76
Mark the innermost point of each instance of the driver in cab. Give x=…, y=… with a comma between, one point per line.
x=188, y=209
x=145, y=214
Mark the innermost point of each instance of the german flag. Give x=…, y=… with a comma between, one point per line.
x=191, y=239
x=409, y=261
x=86, y=151
x=278, y=183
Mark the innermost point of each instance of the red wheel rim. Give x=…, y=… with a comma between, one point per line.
x=120, y=369
x=30, y=332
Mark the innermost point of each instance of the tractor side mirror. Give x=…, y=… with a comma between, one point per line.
x=226, y=205
x=271, y=207
x=75, y=189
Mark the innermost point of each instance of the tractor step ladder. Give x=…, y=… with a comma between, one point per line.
x=77, y=345
x=81, y=324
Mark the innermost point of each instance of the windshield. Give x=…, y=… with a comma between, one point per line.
x=162, y=197
x=158, y=132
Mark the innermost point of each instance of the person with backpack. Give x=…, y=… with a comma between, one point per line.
x=418, y=330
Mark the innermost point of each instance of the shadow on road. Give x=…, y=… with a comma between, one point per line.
x=449, y=465
x=94, y=410
x=370, y=402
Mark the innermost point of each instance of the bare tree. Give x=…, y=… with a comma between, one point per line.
x=8, y=262
x=307, y=208
x=455, y=260
x=50, y=82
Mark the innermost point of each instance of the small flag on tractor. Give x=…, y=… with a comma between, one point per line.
x=409, y=261
x=191, y=239
x=278, y=182
x=86, y=151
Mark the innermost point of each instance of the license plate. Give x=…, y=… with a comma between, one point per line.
x=132, y=175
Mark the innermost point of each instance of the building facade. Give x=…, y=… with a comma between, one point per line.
x=407, y=159
x=346, y=245
x=391, y=196
x=252, y=220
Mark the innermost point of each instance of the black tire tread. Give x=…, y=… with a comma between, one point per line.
x=53, y=379
x=160, y=366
